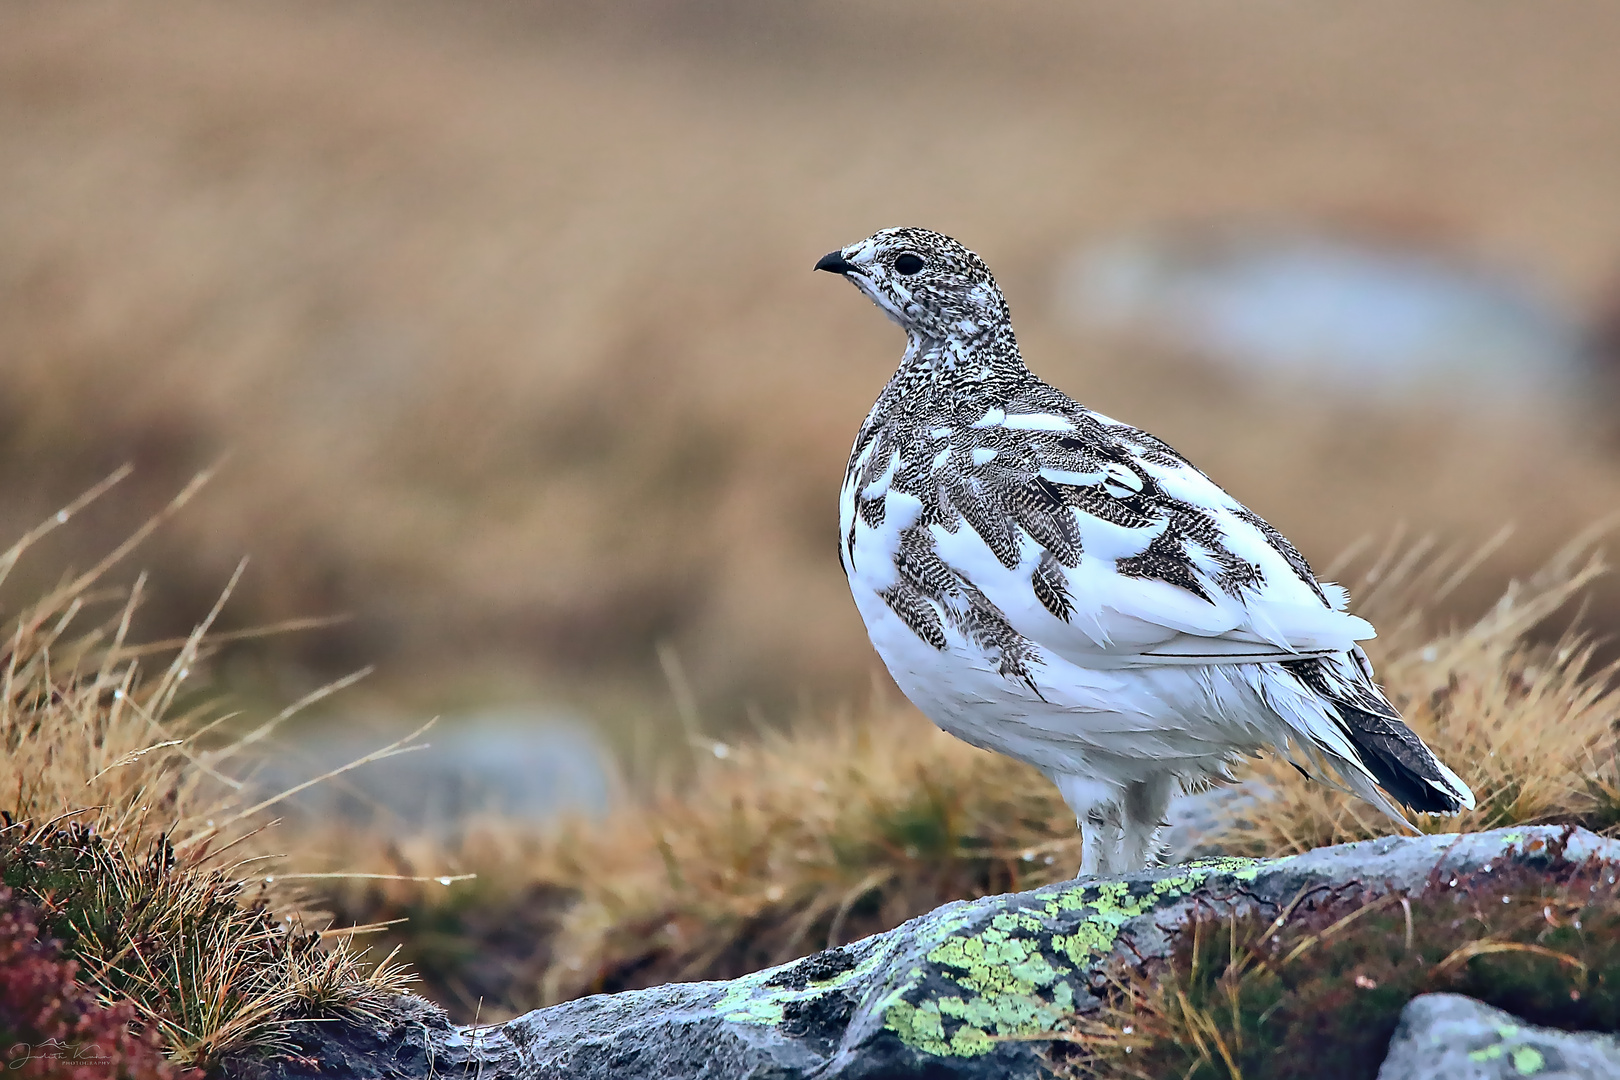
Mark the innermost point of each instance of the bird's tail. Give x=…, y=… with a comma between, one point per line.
x=1386, y=750
x=1402, y=764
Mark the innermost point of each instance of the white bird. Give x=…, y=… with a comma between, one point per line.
x=1053, y=585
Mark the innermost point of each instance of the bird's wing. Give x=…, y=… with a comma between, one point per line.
x=1102, y=545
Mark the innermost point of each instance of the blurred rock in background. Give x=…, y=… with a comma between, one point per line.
x=521, y=766
x=1354, y=315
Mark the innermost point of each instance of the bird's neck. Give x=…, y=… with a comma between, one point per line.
x=987, y=356
x=946, y=373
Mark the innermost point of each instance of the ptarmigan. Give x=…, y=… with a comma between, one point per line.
x=1065, y=589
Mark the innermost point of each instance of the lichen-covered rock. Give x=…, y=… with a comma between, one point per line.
x=964, y=991
x=1462, y=1039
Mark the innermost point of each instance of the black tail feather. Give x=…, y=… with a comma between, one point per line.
x=1399, y=761
x=1391, y=751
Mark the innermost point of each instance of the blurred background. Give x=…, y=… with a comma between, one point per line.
x=501, y=317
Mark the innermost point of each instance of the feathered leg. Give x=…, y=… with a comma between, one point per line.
x=1145, y=804
x=1097, y=812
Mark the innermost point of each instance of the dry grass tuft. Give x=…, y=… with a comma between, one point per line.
x=127, y=825
x=799, y=842
x=787, y=843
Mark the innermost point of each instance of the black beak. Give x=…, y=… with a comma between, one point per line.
x=833, y=262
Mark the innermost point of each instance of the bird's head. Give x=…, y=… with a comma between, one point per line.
x=935, y=288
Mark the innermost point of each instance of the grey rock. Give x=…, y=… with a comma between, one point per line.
x=1462, y=1039
x=1364, y=317
x=964, y=991
x=514, y=764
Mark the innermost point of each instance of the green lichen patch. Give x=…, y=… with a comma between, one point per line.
x=920, y=1026
x=1110, y=905
x=1527, y=1060
x=1023, y=970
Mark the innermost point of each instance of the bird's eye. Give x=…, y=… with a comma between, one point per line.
x=908, y=264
